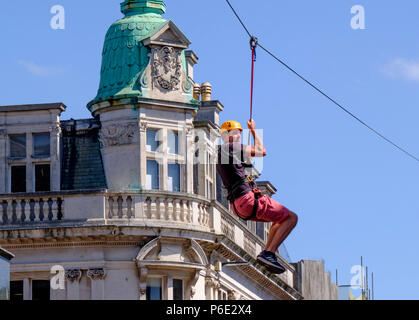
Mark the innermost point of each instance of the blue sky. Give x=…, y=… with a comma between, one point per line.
x=355, y=194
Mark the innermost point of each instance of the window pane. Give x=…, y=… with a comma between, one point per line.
x=18, y=146
x=40, y=290
x=18, y=178
x=42, y=177
x=153, y=142
x=177, y=289
x=41, y=145
x=16, y=290
x=174, y=177
x=153, y=291
x=152, y=179
x=172, y=142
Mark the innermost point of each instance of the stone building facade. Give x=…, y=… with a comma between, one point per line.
x=127, y=204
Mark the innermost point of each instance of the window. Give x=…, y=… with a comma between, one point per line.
x=173, y=183
x=18, y=146
x=177, y=289
x=153, y=141
x=40, y=290
x=153, y=176
x=16, y=290
x=172, y=142
x=41, y=145
x=164, y=163
x=18, y=178
x=154, y=289
x=42, y=177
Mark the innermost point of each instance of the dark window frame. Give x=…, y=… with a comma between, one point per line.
x=18, y=188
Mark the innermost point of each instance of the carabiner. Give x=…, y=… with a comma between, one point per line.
x=253, y=42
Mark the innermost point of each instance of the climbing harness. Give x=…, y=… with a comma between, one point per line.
x=256, y=191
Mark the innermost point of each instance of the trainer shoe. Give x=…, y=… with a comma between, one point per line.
x=268, y=259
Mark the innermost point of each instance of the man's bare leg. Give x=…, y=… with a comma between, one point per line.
x=279, y=232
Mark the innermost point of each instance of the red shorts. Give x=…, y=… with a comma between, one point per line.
x=268, y=209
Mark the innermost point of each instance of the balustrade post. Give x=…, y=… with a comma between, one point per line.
x=124, y=206
x=169, y=209
x=176, y=210
x=54, y=209
x=10, y=211
x=37, y=211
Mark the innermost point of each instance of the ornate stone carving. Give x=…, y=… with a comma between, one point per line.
x=192, y=283
x=55, y=130
x=96, y=274
x=209, y=281
x=232, y=295
x=189, y=130
x=116, y=134
x=167, y=68
x=193, y=291
x=73, y=274
x=143, y=272
x=187, y=86
x=143, y=126
x=143, y=80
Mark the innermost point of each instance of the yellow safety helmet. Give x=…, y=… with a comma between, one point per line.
x=231, y=125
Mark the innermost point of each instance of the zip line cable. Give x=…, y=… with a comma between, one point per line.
x=321, y=91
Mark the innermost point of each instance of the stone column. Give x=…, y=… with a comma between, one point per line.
x=209, y=285
x=143, y=158
x=97, y=277
x=164, y=163
x=27, y=289
x=169, y=288
x=3, y=161
x=73, y=291
x=189, y=158
x=55, y=133
x=30, y=186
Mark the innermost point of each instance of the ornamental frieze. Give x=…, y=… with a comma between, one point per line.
x=117, y=134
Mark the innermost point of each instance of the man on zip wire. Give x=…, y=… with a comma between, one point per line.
x=245, y=198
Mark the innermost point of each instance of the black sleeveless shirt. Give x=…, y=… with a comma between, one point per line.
x=231, y=168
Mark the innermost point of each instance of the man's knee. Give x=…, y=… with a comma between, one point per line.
x=293, y=218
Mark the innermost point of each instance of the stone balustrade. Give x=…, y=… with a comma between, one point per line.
x=158, y=206
x=26, y=209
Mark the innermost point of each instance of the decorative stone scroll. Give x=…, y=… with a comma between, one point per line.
x=73, y=274
x=96, y=274
x=117, y=134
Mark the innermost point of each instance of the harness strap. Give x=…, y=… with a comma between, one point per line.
x=257, y=194
x=256, y=191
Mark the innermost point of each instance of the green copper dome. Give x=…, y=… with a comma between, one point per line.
x=124, y=57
